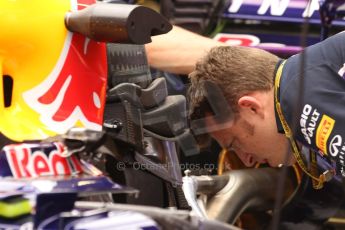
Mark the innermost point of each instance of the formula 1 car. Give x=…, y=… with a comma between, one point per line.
x=136, y=142
x=272, y=25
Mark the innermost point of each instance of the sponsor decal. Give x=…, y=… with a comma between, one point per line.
x=341, y=71
x=323, y=132
x=244, y=40
x=342, y=171
x=336, y=149
x=276, y=7
x=27, y=161
x=334, y=145
x=74, y=92
x=309, y=118
x=238, y=39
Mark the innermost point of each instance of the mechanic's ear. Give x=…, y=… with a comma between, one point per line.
x=252, y=103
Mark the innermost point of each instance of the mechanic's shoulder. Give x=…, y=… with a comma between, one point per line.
x=336, y=38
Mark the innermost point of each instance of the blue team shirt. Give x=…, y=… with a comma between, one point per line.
x=313, y=103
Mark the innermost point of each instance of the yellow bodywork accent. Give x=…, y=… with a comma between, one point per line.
x=31, y=39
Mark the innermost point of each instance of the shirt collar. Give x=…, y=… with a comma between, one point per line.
x=280, y=128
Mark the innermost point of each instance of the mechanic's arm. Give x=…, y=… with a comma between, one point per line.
x=178, y=51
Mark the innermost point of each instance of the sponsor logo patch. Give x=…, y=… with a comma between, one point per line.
x=336, y=149
x=334, y=145
x=323, y=132
x=341, y=71
x=34, y=160
x=308, y=120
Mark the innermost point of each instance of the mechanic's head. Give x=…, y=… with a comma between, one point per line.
x=245, y=77
x=51, y=79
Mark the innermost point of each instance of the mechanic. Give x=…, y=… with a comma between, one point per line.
x=277, y=107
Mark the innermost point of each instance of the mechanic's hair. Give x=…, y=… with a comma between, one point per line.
x=236, y=70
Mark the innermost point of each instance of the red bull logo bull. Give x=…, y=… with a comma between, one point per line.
x=74, y=91
x=59, y=78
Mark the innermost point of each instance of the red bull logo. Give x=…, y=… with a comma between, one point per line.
x=74, y=92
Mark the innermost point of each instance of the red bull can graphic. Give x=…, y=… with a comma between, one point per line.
x=34, y=160
x=75, y=89
x=59, y=78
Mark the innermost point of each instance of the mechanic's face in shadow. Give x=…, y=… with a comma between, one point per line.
x=252, y=134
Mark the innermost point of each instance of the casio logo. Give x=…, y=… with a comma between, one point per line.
x=335, y=145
